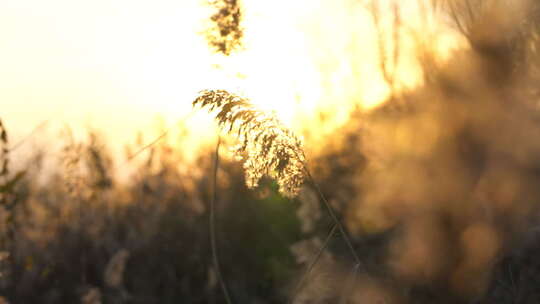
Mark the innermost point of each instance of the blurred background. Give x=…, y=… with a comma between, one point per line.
x=419, y=119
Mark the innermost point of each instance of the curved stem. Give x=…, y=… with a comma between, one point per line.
x=213, y=226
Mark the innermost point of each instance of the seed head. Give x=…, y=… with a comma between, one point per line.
x=268, y=147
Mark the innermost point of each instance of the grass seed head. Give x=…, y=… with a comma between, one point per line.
x=226, y=33
x=269, y=148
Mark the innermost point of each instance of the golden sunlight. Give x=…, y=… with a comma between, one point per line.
x=284, y=151
x=120, y=64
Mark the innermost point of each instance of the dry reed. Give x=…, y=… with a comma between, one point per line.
x=268, y=147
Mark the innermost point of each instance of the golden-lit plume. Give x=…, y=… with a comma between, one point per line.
x=225, y=35
x=268, y=146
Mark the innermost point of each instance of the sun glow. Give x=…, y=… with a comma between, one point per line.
x=319, y=56
x=304, y=58
x=118, y=64
x=274, y=68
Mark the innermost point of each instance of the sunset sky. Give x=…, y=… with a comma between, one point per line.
x=116, y=65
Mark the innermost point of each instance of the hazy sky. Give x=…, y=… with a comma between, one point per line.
x=103, y=62
x=116, y=64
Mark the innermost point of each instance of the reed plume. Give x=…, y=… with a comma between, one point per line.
x=267, y=146
x=270, y=149
x=226, y=33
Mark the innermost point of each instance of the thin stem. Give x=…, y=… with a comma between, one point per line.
x=312, y=264
x=27, y=137
x=334, y=218
x=213, y=226
x=337, y=224
x=349, y=285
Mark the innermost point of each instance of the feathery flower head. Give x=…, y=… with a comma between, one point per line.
x=268, y=146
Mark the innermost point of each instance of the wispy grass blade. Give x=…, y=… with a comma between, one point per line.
x=212, y=222
x=312, y=264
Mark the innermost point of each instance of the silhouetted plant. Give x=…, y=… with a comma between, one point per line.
x=225, y=35
x=8, y=201
x=271, y=149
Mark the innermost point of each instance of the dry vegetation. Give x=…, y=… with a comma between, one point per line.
x=438, y=190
